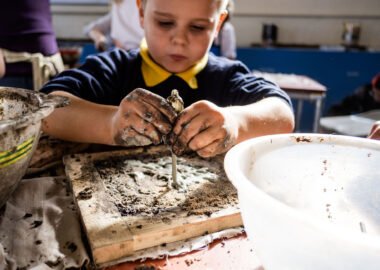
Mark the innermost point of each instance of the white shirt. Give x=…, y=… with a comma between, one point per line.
x=125, y=25
x=227, y=41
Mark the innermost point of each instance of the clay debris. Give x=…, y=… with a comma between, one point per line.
x=140, y=185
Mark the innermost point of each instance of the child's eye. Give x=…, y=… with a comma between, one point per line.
x=197, y=28
x=165, y=24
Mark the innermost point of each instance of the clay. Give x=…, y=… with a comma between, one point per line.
x=140, y=185
x=177, y=103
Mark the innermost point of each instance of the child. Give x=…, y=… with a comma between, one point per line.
x=224, y=103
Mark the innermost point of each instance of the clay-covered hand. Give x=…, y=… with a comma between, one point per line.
x=142, y=118
x=375, y=131
x=205, y=128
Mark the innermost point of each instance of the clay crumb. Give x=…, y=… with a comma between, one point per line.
x=36, y=223
x=189, y=262
x=303, y=139
x=27, y=215
x=85, y=194
x=71, y=246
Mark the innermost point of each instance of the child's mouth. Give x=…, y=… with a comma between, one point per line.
x=177, y=57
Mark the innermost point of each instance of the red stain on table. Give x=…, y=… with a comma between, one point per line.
x=232, y=253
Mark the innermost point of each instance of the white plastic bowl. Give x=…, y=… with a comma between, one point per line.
x=310, y=201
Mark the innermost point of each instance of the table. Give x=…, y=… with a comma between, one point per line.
x=224, y=254
x=231, y=253
x=300, y=87
x=353, y=125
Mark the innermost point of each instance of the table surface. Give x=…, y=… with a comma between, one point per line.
x=224, y=254
x=293, y=82
x=352, y=125
x=232, y=253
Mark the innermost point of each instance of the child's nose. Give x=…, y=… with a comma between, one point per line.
x=179, y=37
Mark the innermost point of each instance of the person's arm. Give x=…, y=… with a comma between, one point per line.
x=210, y=130
x=98, y=31
x=81, y=121
x=239, y=106
x=141, y=118
x=2, y=65
x=375, y=131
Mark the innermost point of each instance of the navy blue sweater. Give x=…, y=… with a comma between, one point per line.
x=108, y=77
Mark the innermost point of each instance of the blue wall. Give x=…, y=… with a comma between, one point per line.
x=340, y=71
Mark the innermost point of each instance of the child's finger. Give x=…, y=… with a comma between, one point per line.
x=129, y=137
x=148, y=114
x=131, y=124
x=143, y=127
x=185, y=131
x=183, y=119
x=156, y=101
x=207, y=137
x=210, y=150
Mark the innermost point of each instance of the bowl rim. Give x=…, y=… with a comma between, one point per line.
x=231, y=162
x=45, y=103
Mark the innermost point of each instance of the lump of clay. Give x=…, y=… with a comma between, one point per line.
x=175, y=100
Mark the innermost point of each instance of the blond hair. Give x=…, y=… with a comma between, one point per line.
x=223, y=4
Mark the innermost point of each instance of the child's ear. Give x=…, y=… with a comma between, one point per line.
x=141, y=13
x=222, y=17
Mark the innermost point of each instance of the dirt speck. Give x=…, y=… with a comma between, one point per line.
x=302, y=139
x=71, y=246
x=27, y=215
x=36, y=224
x=85, y=194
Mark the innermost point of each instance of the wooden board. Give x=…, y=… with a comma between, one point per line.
x=112, y=236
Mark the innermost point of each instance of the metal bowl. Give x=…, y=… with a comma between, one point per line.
x=310, y=201
x=21, y=114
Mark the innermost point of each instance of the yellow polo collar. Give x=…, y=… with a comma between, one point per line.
x=153, y=74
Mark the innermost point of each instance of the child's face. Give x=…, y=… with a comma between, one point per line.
x=180, y=32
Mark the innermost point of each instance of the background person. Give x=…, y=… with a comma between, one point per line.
x=365, y=98
x=120, y=27
x=27, y=43
x=226, y=39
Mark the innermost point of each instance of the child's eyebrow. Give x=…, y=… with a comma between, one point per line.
x=208, y=20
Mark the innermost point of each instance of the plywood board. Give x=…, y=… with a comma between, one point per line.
x=117, y=225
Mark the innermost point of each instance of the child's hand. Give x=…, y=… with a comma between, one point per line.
x=142, y=118
x=205, y=128
x=375, y=131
